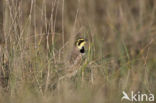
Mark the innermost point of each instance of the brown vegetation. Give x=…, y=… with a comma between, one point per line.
x=37, y=36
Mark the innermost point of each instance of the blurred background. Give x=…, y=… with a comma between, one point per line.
x=37, y=36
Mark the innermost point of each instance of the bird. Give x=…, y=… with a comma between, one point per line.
x=78, y=51
x=76, y=58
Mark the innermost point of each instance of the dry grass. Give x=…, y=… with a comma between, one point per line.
x=39, y=36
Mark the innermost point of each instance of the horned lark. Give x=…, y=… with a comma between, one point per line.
x=76, y=58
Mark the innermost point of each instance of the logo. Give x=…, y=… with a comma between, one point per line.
x=137, y=97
